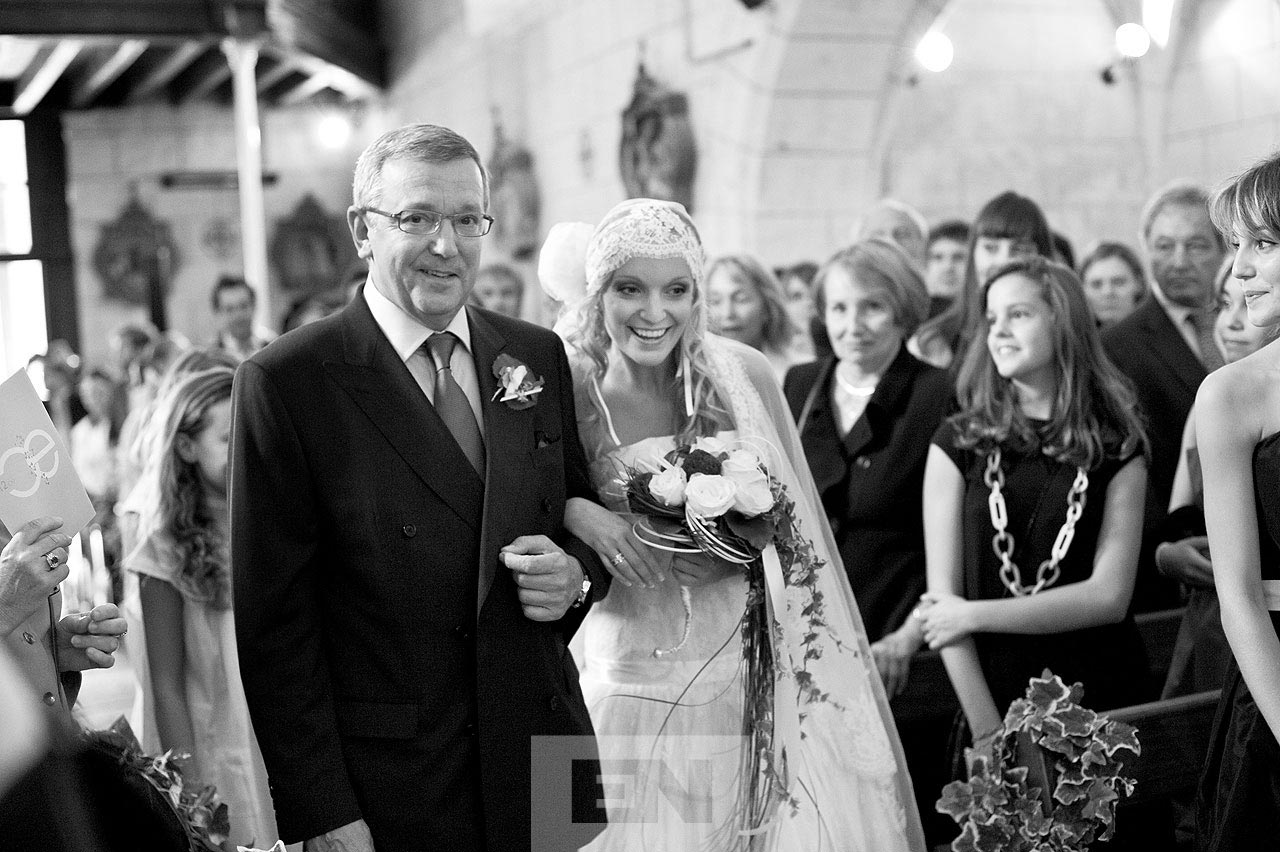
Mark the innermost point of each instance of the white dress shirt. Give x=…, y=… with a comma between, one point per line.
x=407, y=335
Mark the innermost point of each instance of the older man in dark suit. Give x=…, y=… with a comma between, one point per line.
x=404, y=587
x=1166, y=347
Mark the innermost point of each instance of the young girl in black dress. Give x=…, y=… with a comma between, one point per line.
x=1033, y=506
x=1238, y=431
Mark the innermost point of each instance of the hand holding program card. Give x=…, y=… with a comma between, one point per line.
x=36, y=474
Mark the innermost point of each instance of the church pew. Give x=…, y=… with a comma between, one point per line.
x=1174, y=734
x=928, y=694
x=1159, y=631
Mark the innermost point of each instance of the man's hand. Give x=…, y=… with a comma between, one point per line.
x=26, y=577
x=352, y=837
x=549, y=580
x=1187, y=561
x=88, y=640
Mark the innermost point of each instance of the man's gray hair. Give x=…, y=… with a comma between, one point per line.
x=1179, y=193
x=428, y=143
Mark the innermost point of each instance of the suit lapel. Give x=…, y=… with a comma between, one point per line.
x=820, y=432
x=383, y=388
x=1168, y=344
x=889, y=396
x=506, y=453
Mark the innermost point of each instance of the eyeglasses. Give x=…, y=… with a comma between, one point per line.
x=422, y=223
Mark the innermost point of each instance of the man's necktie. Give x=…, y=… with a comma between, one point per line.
x=451, y=403
x=1210, y=355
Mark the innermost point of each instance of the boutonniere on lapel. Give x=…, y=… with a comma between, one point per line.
x=517, y=385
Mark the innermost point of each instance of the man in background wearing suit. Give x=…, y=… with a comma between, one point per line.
x=1166, y=348
x=404, y=588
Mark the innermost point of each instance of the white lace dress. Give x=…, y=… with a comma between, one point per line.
x=670, y=726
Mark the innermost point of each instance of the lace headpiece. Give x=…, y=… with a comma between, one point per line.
x=576, y=259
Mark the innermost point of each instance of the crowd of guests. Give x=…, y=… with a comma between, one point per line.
x=1002, y=441
x=969, y=360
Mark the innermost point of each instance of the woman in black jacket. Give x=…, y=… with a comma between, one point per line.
x=866, y=415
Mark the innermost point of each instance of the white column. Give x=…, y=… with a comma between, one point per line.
x=243, y=57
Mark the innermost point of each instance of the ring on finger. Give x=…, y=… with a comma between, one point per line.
x=618, y=558
x=52, y=559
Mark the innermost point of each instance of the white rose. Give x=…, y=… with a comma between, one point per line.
x=754, y=498
x=710, y=496
x=669, y=486
x=742, y=467
x=711, y=444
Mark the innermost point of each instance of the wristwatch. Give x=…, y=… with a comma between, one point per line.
x=583, y=593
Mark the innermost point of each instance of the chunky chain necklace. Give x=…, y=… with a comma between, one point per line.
x=1002, y=543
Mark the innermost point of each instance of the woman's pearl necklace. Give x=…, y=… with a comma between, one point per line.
x=852, y=389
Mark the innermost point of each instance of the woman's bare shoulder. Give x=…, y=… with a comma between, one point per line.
x=1242, y=399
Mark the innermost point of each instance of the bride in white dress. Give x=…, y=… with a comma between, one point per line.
x=662, y=654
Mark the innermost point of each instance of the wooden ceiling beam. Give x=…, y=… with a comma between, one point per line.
x=108, y=72
x=343, y=33
x=206, y=80
x=313, y=85
x=31, y=90
x=150, y=18
x=163, y=74
x=276, y=75
x=353, y=86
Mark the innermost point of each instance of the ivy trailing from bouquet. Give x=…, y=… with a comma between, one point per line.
x=197, y=807
x=720, y=499
x=1050, y=781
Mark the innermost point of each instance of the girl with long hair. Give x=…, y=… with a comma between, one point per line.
x=1033, y=505
x=1238, y=432
x=1008, y=227
x=663, y=654
x=185, y=591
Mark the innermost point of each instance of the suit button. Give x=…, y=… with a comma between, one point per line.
x=555, y=703
x=409, y=530
x=50, y=699
x=546, y=504
x=462, y=633
x=862, y=462
x=470, y=729
x=28, y=638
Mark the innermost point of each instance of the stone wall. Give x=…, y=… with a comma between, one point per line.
x=113, y=155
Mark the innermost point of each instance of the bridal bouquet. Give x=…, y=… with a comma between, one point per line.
x=706, y=498
x=720, y=499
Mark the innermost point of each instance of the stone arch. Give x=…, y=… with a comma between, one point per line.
x=818, y=113
x=829, y=116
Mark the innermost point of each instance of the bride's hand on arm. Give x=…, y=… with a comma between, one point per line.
x=610, y=536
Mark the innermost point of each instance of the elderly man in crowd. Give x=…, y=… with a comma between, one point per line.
x=1166, y=348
